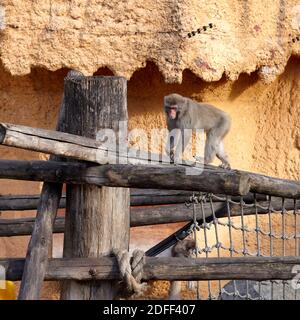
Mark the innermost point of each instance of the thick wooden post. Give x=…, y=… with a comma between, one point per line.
x=97, y=219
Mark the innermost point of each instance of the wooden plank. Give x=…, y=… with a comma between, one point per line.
x=65, y=145
x=41, y=239
x=97, y=219
x=90, y=269
x=24, y=226
x=275, y=187
x=138, y=197
x=170, y=177
x=145, y=197
x=211, y=179
x=40, y=244
x=88, y=149
x=24, y=202
x=138, y=217
x=157, y=215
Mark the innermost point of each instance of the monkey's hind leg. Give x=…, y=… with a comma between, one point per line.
x=210, y=149
x=222, y=155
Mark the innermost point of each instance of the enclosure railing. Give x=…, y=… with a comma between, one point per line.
x=245, y=225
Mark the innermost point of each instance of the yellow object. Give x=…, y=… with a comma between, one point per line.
x=9, y=293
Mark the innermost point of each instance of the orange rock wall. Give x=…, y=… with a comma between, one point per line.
x=245, y=64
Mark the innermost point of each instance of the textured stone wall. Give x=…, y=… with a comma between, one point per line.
x=123, y=35
x=243, y=65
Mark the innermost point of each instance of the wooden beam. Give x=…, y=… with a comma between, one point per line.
x=40, y=244
x=41, y=239
x=106, y=268
x=138, y=197
x=24, y=226
x=24, y=202
x=157, y=215
x=211, y=179
x=274, y=186
x=138, y=217
x=146, y=197
x=171, y=177
x=97, y=219
x=80, y=148
x=64, y=145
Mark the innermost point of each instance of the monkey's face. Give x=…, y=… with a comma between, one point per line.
x=172, y=111
x=173, y=104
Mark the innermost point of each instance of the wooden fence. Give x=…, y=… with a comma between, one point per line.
x=98, y=220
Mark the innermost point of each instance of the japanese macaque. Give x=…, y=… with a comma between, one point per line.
x=183, y=248
x=184, y=113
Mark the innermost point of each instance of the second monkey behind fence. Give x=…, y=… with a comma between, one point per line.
x=184, y=113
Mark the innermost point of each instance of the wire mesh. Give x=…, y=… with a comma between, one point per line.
x=260, y=225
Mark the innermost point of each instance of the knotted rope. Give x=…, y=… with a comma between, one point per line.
x=131, y=270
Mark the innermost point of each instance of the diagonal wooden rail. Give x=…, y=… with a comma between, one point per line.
x=41, y=237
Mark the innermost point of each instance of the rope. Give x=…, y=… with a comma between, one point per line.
x=131, y=270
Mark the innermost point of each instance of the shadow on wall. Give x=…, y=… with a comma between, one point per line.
x=147, y=88
x=36, y=96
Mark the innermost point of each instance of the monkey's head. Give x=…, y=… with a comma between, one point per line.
x=174, y=105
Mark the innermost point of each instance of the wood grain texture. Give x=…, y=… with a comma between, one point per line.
x=97, y=219
x=88, y=149
x=24, y=202
x=138, y=197
x=142, y=216
x=211, y=179
x=40, y=244
x=41, y=239
x=87, y=270
x=125, y=175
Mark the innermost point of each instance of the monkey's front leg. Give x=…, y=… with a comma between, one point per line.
x=174, y=146
x=170, y=148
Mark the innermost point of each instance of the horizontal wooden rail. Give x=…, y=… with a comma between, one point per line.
x=142, y=216
x=138, y=197
x=139, y=216
x=171, y=177
x=68, y=145
x=251, y=268
x=24, y=202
